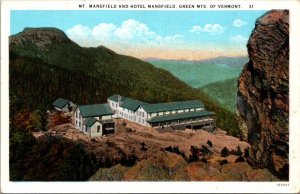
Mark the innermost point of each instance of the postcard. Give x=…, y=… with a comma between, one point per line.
x=150, y=96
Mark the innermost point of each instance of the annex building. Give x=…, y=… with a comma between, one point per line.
x=178, y=115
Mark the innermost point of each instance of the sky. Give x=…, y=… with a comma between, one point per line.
x=189, y=35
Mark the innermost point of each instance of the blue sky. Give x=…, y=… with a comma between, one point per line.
x=161, y=34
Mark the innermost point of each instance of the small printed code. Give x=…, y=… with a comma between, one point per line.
x=283, y=184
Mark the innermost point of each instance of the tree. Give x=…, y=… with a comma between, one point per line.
x=35, y=121
x=238, y=151
x=224, y=152
x=209, y=143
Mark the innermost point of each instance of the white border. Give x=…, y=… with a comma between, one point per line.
x=151, y=187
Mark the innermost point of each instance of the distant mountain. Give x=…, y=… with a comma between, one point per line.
x=198, y=74
x=239, y=61
x=230, y=61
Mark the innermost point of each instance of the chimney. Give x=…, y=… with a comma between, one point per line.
x=119, y=100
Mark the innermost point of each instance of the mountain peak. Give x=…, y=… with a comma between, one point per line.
x=39, y=36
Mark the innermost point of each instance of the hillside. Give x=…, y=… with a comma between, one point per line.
x=139, y=153
x=46, y=64
x=200, y=73
x=54, y=66
x=224, y=92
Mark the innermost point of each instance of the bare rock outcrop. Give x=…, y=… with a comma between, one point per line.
x=263, y=93
x=40, y=37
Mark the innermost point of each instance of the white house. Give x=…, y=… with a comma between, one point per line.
x=95, y=119
x=125, y=107
x=63, y=105
x=188, y=113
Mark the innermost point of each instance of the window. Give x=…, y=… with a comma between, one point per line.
x=98, y=129
x=85, y=128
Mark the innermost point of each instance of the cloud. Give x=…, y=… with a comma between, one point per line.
x=195, y=29
x=238, y=39
x=134, y=30
x=80, y=34
x=239, y=23
x=103, y=31
x=130, y=33
x=213, y=29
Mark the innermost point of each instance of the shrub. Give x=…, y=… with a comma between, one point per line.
x=246, y=152
x=124, y=124
x=128, y=129
x=237, y=152
x=209, y=143
x=224, y=152
x=175, y=150
x=35, y=120
x=29, y=121
x=49, y=158
x=143, y=148
x=222, y=162
x=195, y=151
x=204, y=150
x=128, y=160
x=240, y=159
x=193, y=158
x=59, y=119
x=203, y=160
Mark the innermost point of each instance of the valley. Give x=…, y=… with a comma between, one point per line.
x=216, y=77
x=200, y=73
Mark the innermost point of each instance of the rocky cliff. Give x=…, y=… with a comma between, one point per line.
x=263, y=93
x=39, y=37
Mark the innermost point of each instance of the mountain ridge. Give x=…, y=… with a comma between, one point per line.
x=231, y=61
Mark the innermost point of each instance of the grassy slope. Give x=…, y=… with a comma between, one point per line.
x=197, y=75
x=224, y=92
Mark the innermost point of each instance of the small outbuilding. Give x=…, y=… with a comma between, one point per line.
x=63, y=105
